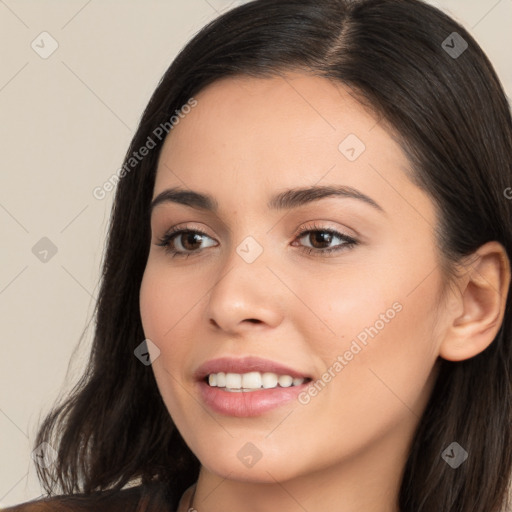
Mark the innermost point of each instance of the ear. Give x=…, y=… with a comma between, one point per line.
x=482, y=300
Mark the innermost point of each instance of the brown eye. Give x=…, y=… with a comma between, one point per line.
x=320, y=239
x=183, y=242
x=188, y=240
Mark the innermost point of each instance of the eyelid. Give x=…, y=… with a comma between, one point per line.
x=326, y=225
x=310, y=210
x=312, y=225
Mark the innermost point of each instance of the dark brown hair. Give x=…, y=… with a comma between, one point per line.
x=453, y=122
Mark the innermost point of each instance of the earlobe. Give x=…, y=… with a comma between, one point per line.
x=483, y=300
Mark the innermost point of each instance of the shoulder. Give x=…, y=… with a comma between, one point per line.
x=125, y=500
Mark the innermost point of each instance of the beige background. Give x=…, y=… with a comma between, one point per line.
x=66, y=124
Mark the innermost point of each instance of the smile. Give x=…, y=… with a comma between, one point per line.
x=248, y=386
x=252, y=381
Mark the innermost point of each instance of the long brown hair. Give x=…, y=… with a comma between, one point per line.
x=455, y=126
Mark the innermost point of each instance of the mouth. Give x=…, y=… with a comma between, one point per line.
x=252, y=381
x=250, y=386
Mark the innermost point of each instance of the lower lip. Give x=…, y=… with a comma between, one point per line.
x=251, y=403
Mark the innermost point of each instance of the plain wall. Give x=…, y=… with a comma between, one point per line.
x=66, y=122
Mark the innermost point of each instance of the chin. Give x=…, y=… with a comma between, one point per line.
x=267, y=469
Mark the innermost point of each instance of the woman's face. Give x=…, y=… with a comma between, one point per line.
x=361, y=321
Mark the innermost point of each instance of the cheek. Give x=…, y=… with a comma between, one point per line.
x=153, y=301
x=165, y=300
x=170, y=302
x=381, y=323
x=341, y=305
x=163, y=314
x=390, y=350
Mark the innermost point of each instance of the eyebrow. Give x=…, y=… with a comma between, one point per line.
x=286, y=200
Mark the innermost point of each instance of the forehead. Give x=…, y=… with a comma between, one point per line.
x=253, y=136
x=291, y=117
x=293, y=104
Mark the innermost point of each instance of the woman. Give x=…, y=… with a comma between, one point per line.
x=264, y=370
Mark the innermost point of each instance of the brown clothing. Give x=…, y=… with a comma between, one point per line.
x=133, y=499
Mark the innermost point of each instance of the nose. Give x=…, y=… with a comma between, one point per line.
x=246, y=296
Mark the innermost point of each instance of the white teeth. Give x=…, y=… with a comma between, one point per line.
x=270, y=380
x=221, y=380
x=285, y=381
x=252, y=381
x=233, y=380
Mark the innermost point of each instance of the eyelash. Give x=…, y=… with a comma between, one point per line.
x=349, y=242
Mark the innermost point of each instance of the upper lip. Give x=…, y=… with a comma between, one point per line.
x=245, y=365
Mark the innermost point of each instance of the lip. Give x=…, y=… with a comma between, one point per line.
x=245, y=404
x=246, y=365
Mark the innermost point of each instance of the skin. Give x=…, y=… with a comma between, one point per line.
x=245, y=140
